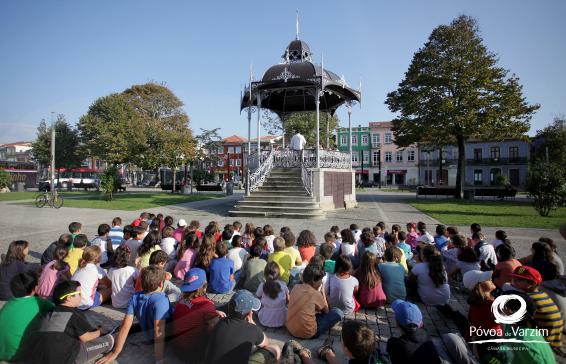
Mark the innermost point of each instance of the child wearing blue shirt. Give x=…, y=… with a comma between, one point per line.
x=221, y=271
x=440, y=239
x=151, y=308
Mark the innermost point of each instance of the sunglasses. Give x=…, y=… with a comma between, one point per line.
x=70, y=295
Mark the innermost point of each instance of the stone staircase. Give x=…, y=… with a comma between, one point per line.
x=282, y=195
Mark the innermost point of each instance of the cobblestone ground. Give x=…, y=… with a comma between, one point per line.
x=41, y=226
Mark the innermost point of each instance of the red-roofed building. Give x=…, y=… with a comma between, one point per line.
x=230, y=163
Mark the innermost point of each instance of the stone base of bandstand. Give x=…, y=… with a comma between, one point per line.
x=334, y=188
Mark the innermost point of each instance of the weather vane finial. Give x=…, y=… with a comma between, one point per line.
x=297, y=24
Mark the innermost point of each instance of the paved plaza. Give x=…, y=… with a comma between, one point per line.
x=41, y=226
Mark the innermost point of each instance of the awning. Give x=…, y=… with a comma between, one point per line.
x=397, y=171
x=359, y=171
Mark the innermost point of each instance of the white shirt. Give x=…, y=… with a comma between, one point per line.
x=168, y=246
x=428, y=292
x=88, y=278
x=238, y=256
x=123, y=285
x=298, y=142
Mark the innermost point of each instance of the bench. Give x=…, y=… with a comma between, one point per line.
x=435, y=191
x=500, y=193
x=209, y=188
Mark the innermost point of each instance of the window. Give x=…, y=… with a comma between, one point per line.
x=493, y=173
x=375, y=139
x=477, y=155
x=354, y=139
x=238, y=150
x=388, y=156
x=220, y=163
x=375, y=158
x=388, y=138
x=343, y=139
x=411, y=156
x=494, y=153
x=354, y=157
x=365, y=154
x=399, y=156
x=364, y=139
x=238, y=162
x=231, y=150
x=220, y=150
x=478, y=176
x=513, y=154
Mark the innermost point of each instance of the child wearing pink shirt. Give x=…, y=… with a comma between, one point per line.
x=53, y=273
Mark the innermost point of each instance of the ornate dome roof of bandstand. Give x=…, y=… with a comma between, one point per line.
x=291, y=86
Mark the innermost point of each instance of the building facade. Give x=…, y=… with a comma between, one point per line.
x=361, y=149
x=390, y=164
x=16, y=152
x=430, y=165
x=230, y=163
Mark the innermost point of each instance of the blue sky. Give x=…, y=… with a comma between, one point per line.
x=62, y=55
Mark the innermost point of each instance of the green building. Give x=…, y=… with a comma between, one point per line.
x=361, y=149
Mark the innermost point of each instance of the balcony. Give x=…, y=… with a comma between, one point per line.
x=496, y=161
x=375, y=145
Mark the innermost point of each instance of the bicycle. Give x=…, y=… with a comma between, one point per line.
x=53, y=199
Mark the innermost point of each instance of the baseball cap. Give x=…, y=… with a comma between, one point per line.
x=407, y=313
x=244, y=301
x=426, y=238
x=182, y=223
x=473, y=277
x=194, y=279
x=528, y=273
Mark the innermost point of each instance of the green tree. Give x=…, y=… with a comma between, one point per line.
x=454, y=91
x=110, y=181
x=69, y=153
x=5, y=179
x=552, y=142
x=208, y=142
x=163, y=119
x=546, y=185
x=303, y=122
x=178, y=149
x=112, y=130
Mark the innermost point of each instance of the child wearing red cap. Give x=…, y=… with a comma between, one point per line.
x=548, y=316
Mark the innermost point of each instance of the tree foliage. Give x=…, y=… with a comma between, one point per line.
x=553, y=138
x=208, y=142
x=110, y=181
x=303, y=122
x=546, y=185
x=69, y=153
x=5, y=179
x=112, y=130
x=454, y=90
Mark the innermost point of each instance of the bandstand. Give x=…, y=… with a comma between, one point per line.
x=287, y=183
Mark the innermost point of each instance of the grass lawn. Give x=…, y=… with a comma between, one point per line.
x=489, y=213
x=16, y=196
x=121, y=201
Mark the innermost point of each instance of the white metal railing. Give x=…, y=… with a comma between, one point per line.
x=258, y=176
x=334, y=159
x=287, y=158
x=306, y=176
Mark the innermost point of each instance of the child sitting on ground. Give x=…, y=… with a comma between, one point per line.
x=358, y=344
x=402, y=244
x=269, y=235
x=506, y=264
x=151, y=308
x=348, y=246
x=307, y=245
x=548, y=316
x=282, y=259
x=122, y=276
x=393, y=275
x=168, y=242
x=290, y=249
x=54, y=272
x=326, y=250
x=237, y=254
x=274, y=296
x=221, y=271
x=252, y=271
x=20, y=316
x=467, y=261
x=47, y=256
x=149, y=245
x=104, y=242
x=76, y=250
x=342, y=286
x=179, y=233
x=369, y=244
x=186, y=254
x=194, y=318
x=96, y=288
x=440, y=239
x=430, y=278
x=66, y=335
x=370, y=293
x=338, y=238
x=412, y=235
x=414, y=345
x=159, y=259
x=138, y=234
x=378, y=236
x=484, y=251
x=308, y=315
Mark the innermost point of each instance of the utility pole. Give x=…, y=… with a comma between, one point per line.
x=52, y=151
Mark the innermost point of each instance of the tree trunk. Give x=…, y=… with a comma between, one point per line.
x=174, y=175
x=461, y=173
x=439, y=179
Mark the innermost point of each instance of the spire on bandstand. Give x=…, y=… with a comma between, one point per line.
x=297, y=25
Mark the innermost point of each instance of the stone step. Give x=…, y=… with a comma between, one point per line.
x=279, y=192
x=282, y=209
x=282, y=188
x=249, y=201
x=265, y=198
x=277, y=214
x=285, y=177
